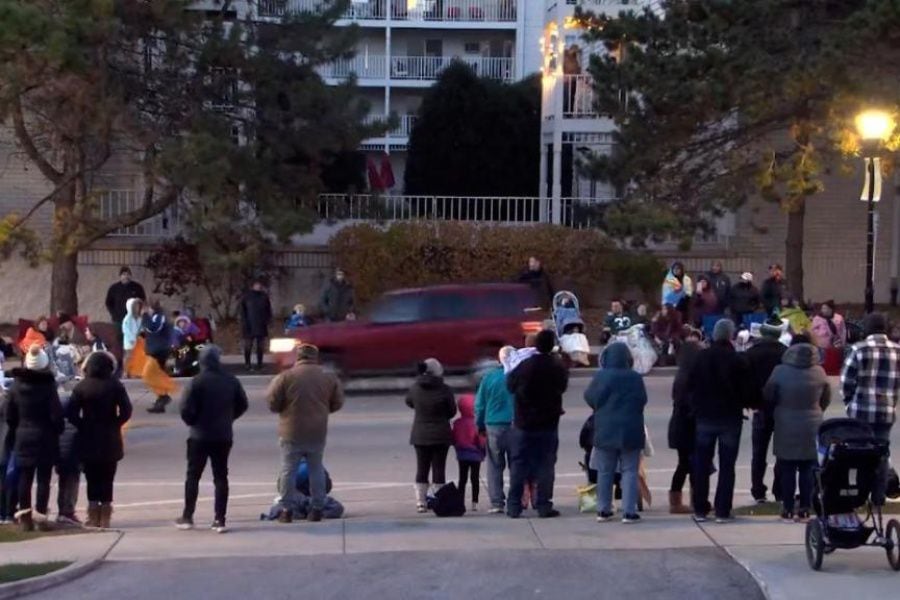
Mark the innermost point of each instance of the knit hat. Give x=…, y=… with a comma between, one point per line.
x=545, y=341
x=771, y=329
x=432, y=366
x=36, y=359
x=307, y=352
x=723, y=331
x=748, y=277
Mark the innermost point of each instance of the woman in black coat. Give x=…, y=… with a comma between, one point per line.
x=99, y=408
x=35, y=418
x=682, y=426
x=431, y=435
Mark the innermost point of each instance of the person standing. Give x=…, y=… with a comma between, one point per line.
x=129, y=333
x=118, y=295
x=256, y=316
x=618, y=397
x=34, y=415
x=304, y=397
x=210, y=405
x=870, y=383
x=338, y=302
x=494, y=417
x=798, y=393
x=682, y=428
x=717, y=388
x=828, y=328
x=539, y=281
x=431, y=435
x=720, y=283
x=68, y=472
x=763, y=357
x=470, y=448
x=677, y=290
x=7, y=493
x=99, y=408
x=706, y=303
x=157, y=332
x=538, y=385
x=744, y=299
x=773, y=290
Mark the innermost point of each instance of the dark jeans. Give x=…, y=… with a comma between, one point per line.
x=432, y=459
x=7, y=495
x=882, y=431
x=682, y=471
x=532, y=458
x=27, y=476
x=789, y=471
x=68, y=481
x=469, y=469
x=260, y=350
x=100, y=476
x=728, y=437
x=198, y=452
x=763, y=429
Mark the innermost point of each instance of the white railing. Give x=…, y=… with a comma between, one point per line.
x=401, y=10
x=370, y=207
x=578, y=97
x=400, y=131
x=607, y=3
x=115, y=203
x=430, y=67
x=363, y=66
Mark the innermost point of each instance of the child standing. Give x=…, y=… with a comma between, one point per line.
x=296, y=321
x=470, y=447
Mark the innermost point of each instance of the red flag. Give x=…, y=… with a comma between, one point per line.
x=375, y=182
x=387, y=172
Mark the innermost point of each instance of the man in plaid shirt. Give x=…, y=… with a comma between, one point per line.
x=871, y=385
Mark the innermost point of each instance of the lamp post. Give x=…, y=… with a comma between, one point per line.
x=874, y=127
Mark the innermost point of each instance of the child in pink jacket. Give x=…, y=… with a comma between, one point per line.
x=470, y=447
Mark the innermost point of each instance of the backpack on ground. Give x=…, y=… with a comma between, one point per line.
x=449, y=502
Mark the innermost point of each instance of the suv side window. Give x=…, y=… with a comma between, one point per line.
x=452, y=307
x=398, y=308
x=504, y=303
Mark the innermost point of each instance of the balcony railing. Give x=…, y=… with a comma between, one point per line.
x=402, y=130
x=115, y=203
x=402, y=10
x=578, y=97
x=370, y=207
x=420, y=68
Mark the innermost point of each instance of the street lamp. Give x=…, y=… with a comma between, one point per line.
x=874, y=127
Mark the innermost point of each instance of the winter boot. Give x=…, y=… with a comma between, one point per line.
x=105, y=511
x=422, y=497
x=676, y=505
x=26, y=524
x=93, y=515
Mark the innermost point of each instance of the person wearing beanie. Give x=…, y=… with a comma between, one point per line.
x=718, y=391
x=304, y=397
x=763, y=357
x=34, y=416
x=744, y=299
x=538, y=385
x=870, y=384
x=99, y=408
x=431, y=435
x=210, y=405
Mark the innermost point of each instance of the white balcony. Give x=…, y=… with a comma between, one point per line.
x=400, y=132
x=578, y=97
x=416, y=68
x=404, y=12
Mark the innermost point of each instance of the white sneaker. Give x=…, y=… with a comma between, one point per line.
x=495, y=511
x=421, y=508
x=474, y=507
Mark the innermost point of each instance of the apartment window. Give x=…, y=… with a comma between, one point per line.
x=472, y=48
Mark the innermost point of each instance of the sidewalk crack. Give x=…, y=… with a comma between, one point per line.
x=537, y=537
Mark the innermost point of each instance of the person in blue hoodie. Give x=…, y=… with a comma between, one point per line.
x=157, y=332
x=618, y=397
x=494, y=416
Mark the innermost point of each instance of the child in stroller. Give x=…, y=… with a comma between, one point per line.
x=851, y=459
x=567, y=321
x=187, y=340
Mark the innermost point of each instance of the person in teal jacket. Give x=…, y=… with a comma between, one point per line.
x=618, y=397
x=494, y=416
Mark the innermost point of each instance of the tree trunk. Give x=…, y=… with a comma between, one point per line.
x=64, y=284
x=793, y=251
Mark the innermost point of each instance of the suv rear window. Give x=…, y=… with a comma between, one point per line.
x=452, y=307
x=398, y=308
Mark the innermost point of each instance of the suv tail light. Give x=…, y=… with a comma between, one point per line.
x=532, y=327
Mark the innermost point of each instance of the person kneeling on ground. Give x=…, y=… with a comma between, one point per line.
x=211, y=404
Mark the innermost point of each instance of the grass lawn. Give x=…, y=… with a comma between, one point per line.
x=10, y=573
x=773, y=509
x=11, y=533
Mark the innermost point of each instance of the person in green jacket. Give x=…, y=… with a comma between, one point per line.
x=494, y=406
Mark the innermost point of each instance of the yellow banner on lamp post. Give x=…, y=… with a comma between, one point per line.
x=864, y=196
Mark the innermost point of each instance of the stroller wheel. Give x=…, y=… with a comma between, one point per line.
x=892, y=547
x=815, y=544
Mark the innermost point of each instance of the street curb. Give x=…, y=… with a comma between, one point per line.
x=763, y=587
x=74, y=571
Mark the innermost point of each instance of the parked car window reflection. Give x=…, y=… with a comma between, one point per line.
x=397, y=308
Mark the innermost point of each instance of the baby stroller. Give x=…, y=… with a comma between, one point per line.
x=570, y=328
x=849, y=460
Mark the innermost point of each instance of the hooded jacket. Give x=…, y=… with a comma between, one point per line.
x=157, y=335
x=213, y=400
x=618, y=397
x=493, y=402
x=538, y=385
x=304, y=397
x=35, y=417
x=469, y=445
x=99, y=407
x=744, y=298
x=798, y=392
x=131, y=325
x=676, y=289
x=434, y=406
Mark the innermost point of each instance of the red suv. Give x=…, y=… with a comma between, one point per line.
x=457, y=324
